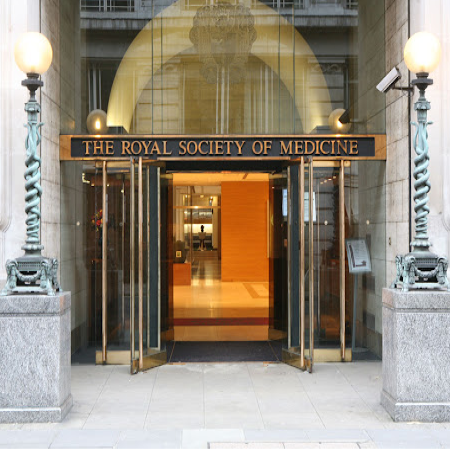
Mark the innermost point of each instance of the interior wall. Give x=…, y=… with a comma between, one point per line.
x=244, y=231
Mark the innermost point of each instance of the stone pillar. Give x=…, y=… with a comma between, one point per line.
x=35, y=358
x=416, y=355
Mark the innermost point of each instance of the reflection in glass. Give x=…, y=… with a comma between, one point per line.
x=261, y=67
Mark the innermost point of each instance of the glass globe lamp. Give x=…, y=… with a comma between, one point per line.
x=96, y=122
x=33, y=53
x=422, y=53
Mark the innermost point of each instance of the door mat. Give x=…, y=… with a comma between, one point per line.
x=221, y=351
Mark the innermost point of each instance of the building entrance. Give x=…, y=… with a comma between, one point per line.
x=219, y=256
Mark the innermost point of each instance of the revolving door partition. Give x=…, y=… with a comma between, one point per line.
x=317, y=309
x=136, y=305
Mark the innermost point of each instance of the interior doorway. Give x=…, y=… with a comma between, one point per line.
x=221, y=267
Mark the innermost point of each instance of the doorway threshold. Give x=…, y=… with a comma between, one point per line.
x=224, y=351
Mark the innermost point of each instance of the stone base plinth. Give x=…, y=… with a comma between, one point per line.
x=416, y=355
x=35, y=358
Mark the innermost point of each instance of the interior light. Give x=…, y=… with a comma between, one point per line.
x=337, y=127
x=96, y=122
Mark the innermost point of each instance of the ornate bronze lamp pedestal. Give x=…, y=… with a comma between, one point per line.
x=32, y=272
x=421, y=269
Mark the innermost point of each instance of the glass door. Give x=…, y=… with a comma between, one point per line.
x=298, y=345
x=331, y=278
x=152, y=264
x=277, y=252
x=317, y=313
x=111, y=225
x=132, y=222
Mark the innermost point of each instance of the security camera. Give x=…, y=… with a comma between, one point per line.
x=388, y=82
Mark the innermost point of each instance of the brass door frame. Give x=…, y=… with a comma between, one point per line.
x=148, y=357
x=104, y=264
x=141, y=358
x=105, y=356
x=300, y=357
x=310, y=361
x=342, y=256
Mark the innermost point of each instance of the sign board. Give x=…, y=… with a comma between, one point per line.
x=239, y=146
x=358, y=256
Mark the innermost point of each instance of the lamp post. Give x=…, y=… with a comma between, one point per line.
x=421, y=268
x=32, y=272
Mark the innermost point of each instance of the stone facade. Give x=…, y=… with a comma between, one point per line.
x=416, y=355
x=35, y=351
x=61, y=110
x=18, y=17
x=398, y=139
x=434, y=16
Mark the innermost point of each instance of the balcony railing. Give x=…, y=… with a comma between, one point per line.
x=351, y=4
x=108, y=5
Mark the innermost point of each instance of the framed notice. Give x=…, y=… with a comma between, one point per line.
x=307, y=207
x=358, y=256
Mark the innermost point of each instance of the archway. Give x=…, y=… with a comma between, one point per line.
x=278, y=45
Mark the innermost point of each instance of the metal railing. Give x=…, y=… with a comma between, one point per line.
x=108, y=5
x=297, y=4
x=351, y=4
x=346, y=4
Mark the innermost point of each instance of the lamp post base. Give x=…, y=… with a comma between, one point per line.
x=31, y=274
x=421, y=270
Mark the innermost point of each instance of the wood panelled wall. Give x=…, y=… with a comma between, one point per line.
x=244, y=231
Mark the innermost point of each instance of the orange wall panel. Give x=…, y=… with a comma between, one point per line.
x=244, y=231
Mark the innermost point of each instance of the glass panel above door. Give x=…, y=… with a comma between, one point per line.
x=171, y=67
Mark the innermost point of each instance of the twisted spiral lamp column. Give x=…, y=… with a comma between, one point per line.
x=421, y=268
x=421, y=175
x=32, y=273
x=32, y=177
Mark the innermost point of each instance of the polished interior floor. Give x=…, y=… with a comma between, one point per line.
x=212, y=310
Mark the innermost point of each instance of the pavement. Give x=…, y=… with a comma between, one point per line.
x=227, y=405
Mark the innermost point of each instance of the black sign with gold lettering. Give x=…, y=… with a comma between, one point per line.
x=161, y=147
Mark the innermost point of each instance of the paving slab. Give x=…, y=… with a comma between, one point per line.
x=348, y=435
x=200, y=438
x=276, y=436
x=85, y=439
x=26, y=437
x=259, y=445
x=149, y=439
x=403, y=439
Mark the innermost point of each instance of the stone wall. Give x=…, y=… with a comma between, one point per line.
x=397, y=132
x=16, y=17
x=74, y=220
x=50, y=115
x=434, y=16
